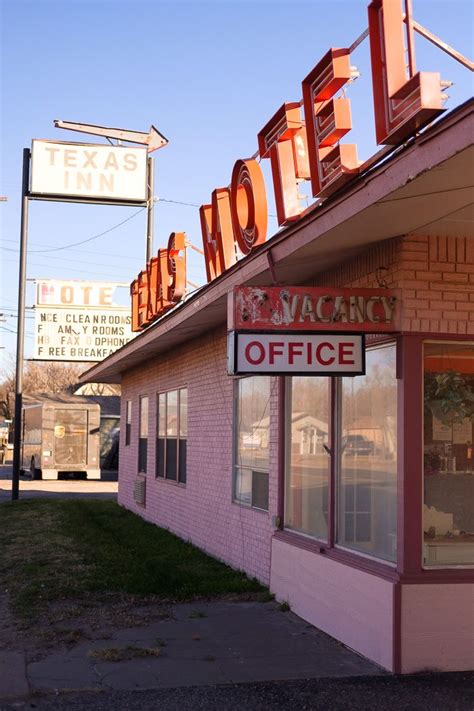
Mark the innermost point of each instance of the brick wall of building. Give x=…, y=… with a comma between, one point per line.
x=201, y=511
x=436, y=275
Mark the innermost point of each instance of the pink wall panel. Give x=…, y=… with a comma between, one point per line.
x=350, y=605
x=202, y=511
x=437, y=627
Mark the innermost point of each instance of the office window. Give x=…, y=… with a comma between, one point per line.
x=171, y=435
x=367, y=462
x=251, y=441
x=448, y=511
x=308, y=463
x=128, y=422
x=143, y=434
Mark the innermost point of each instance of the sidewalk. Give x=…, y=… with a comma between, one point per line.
x=209, y=643
x=105, y=488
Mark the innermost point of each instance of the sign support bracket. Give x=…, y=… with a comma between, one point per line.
x=150, y=208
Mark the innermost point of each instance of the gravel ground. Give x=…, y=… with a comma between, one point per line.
x=443, y=692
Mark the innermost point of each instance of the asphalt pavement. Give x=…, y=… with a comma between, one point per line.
x=437, y=692
x=219, y=655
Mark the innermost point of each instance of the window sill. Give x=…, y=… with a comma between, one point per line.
x=162, y=479
x=352, y=560
x=248, y=506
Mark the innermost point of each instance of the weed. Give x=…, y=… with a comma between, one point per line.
x=119, y=654
x=197, y=614
x=284, y=606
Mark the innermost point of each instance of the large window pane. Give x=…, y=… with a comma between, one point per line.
x=448, y=512
x=366, y=500
x=252, y=431
x=307, y=472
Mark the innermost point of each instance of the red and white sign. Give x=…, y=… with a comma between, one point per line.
x=296, y=353
x=302, y=308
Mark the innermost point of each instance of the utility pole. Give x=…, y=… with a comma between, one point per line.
x=20, y=341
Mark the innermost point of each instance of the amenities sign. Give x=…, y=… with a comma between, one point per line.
x=79, y=321
x=81, y=171
x=296, y=353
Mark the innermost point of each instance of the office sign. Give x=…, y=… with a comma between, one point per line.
x=81, y=171
x=298, y=353
x=288, y=308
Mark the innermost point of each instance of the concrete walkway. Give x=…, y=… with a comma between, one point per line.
x=201, y=644
x=104, y=488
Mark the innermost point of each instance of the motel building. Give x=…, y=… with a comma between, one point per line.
x=307, y=416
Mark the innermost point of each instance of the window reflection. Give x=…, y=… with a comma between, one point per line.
x=448, y=514
x=306, y=499
x=252, y=432
x=368, y=458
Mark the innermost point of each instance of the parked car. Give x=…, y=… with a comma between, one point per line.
x=357, y=444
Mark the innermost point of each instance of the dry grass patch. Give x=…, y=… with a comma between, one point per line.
x=120, y=654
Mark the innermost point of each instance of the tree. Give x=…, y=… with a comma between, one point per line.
x=48, y=378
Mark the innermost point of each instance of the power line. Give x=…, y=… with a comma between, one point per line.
x=89, y=239
x=105, y=275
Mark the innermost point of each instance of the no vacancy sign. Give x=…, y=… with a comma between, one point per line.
x=296, y=353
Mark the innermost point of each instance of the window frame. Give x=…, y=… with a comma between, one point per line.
x=181, y=477
x=235, y=444
x=336, y=550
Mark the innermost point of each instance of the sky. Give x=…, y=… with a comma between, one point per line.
x=208, y=75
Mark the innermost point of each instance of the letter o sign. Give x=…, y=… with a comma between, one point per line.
x=251, y=357
x=248, y=204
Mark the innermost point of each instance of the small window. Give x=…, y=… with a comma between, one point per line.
x=251, y=441
x=171, y=435
x=143, y=435
x=128, y=422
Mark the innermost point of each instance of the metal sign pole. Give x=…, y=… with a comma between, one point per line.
x=150, y=208
x=20, y=341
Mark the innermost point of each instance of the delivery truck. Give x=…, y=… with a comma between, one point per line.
x=61, y=438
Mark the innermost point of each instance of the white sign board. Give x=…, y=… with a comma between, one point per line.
x=296, y=353
x=77, y=334
x=79, y=320
x=81, y=170
x=54, y=292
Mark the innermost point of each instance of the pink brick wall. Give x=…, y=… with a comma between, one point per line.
x=202, y=511
x=436, y=275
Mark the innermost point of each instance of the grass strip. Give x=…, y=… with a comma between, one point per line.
x=63, y=549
